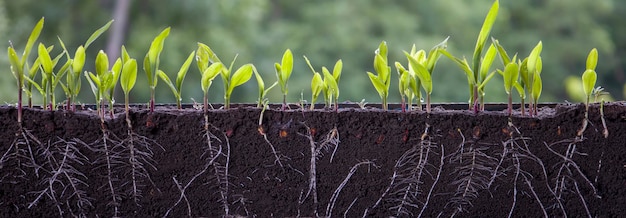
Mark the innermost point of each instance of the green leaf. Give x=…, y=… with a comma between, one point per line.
x=157, y=46
x=125, y=55
x=504, y=57
x=380, y=65
x=97, y=33
x=463, y=65
x=260, y=83
x=102, y=63
x=31, y=41
x=490, y=55
x=202, y=57
x=484, y=83
x=116, y=71
x=520, y=90
x=330, y=82
x=209, y=74
x=241, y=76
x=382, y=50
x=167, y=81
x=422, y=73
x=434, y=54
x=533, y=58
x=378, y=85
x=589, y=81
x=537, y=87
x=592, y=59
x=129, y=75
x=180, y=76
x=15, y=65
x=511, y=74
x=337, y=70
x=44, y=58
x=148, y=69
x=79, y=60
x=484, y=33
x=287, y=65
x=317, y=84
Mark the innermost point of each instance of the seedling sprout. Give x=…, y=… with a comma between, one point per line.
x=283, y=72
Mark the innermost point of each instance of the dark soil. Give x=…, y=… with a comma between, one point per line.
x=488, y=167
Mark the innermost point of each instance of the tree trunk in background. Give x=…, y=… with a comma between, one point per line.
x=117, y=31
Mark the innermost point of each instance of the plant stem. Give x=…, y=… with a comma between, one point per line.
x=336, y=105
x=227, y=102
x=152, y=99
x=19, y=104
x=510, y=106
x=428, y=103
x=284, y=102
x=523, y=106
x=403, y=105
x=384, y=98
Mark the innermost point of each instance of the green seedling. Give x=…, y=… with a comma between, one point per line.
x=510, y=76
x=18, y=64
x=49, y=79
x=423, y=67
x=405, y=82
x=127, y=81
x=177, y=88
x=317, y=84
x=207, y=79
x=477, y=73
x=232, y=80
x=104, y=81
x=531, y=76
x=262, y=102
x=73, y=81
x=151, y=63
x=589, y=78
x=283, y=72
x=331, y=87
x=382, y=79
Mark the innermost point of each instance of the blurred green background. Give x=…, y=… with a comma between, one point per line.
x=327, y=30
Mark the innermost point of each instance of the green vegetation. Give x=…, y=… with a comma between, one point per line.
x=523, y=75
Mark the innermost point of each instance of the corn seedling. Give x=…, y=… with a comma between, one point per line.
x=510, y=76
x=317, y=84
x=476, y=74
x=232, y=80
x=511, y=79
x=73, y=79
x=18, y=65
x=382, y=79
x=104, y=81
x=589, y=78
x=151, y=63
x=532, y=76
x=406, y=86
x=283, y=72
x=204, y=57
x=423, y=67
x=177, y=88
x=49, y=78
x=331, y=87
x=262, y=101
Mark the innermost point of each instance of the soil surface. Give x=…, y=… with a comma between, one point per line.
x=353, y=163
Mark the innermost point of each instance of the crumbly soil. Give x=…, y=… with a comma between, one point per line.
x=256, y=185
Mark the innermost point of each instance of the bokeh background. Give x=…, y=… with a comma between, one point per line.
x=325, y=31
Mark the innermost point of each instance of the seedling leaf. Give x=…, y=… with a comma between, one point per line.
x=129, y=75
x=97, y=33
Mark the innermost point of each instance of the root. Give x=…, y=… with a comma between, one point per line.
x=565, y=176
x=20, y=155
x=317, y=151
x=473, y=175
x=213, y=156
x=409, y=175
x=276, y=155
x=335, y=195
x=139, y=160
x=112, y=161
x=65, y=183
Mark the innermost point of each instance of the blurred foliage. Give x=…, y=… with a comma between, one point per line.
x=328, y=30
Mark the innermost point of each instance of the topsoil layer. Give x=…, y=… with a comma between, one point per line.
x=368, y=162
